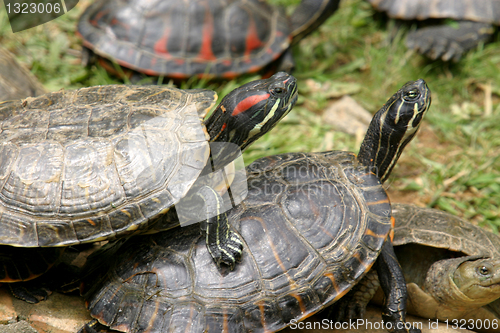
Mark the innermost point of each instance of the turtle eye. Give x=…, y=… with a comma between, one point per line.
x=277, y=90
x=412, y=94
x=483, y=270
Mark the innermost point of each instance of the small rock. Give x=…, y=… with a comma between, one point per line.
x=18, y=327
x=348, y=116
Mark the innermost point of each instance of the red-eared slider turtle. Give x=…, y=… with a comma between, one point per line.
x=209, y=38
x=312, y=225
x=451, y=267
x=475, y=20
x=102, y=162
x=15, y=81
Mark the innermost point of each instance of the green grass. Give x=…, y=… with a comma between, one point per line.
x=454, y=163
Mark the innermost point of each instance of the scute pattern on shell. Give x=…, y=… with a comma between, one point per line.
x=84, y=165
x=303, y=250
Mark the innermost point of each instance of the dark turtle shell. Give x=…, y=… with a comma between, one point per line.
x=15, y=81
x=179, y=39
x=84, y=165
x=487, y=11
x=299, y=256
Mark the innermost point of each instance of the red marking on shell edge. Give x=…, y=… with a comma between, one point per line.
x=252, y=41
x=391, y=233
x=248, y=103
x=230, y=75
x=160, y=46
x=254, y=69
x=206, y=52
x=177, y=75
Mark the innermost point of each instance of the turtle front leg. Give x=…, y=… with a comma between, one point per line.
x=448, y=42
x=353, y=305
x=224, y=244
x=393, y=285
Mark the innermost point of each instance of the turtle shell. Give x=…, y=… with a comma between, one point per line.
x=487, y=11
x=86, y=165
x=15, y=81
x=312, y=225
x=180, y=39
x=433, y=228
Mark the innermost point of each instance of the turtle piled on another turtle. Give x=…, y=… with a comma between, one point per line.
x=312, y=225
x=452, y=269
x=475, y=24
x=103, y=162
x=15, y=81
x=205, y=38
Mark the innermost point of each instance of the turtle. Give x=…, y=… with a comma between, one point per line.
x=15, y=81
x=103, y=162
x=451, y=267
x=204, y=38
x=475, y=21
x=312, y=225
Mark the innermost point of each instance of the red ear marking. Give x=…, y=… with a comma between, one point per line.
x=248, y=103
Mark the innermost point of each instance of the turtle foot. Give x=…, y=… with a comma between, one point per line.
x=449, y=42
x=29, y=292
x=353, y=305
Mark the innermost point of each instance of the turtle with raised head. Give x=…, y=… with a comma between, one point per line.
x=104, y=162
x=312, y=225
x=204, y=38
x=451, y=267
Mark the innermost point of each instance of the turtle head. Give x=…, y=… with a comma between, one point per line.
x=465, y=282
x=393, y=126
x=250, y=111
x=479, y=279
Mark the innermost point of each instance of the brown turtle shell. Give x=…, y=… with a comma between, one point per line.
x=86, y=165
